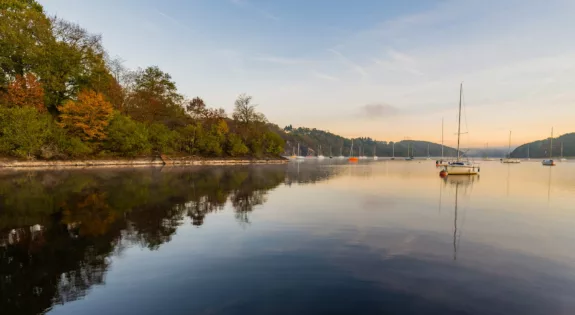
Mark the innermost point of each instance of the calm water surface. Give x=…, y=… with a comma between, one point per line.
x=379, y=237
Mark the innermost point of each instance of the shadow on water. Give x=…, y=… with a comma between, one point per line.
x=58, y=229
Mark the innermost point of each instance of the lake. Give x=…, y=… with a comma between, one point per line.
x=377, y=237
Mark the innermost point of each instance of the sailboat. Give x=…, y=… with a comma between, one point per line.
x=341, y=152
x=428, y=157
x=460, y=167
x=293, y=156
x=562, y=159
x=486, y=157
x=351, y=157
x=528, y=154
x=550, y=162
x=409, y=157
x=361, y=153
x=509, y=159
x=319, y=155
x=299, y=156
x=441, y=162
x=374, y=156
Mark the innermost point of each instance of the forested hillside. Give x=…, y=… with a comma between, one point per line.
x=328, y=143
x=63, y=97
x=540, y=148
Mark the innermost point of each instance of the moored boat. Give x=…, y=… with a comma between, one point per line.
x=460, y=167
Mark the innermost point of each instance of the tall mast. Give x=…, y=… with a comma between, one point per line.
x=442, y=137
x=551, y=145
x=509, y=150
x=393, y=149
x=528, y=155
x=459, y=120
x=351, y=149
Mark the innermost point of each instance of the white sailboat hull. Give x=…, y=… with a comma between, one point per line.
x=511, y=161
x=462, y=169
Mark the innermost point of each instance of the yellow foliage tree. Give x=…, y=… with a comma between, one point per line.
x=88, y=116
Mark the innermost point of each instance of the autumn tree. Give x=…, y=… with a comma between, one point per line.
x=155, y=98
x=86, y=117
x=25, y=91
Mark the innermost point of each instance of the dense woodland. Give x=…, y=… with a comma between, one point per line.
x=62, y=96
x=541, y=148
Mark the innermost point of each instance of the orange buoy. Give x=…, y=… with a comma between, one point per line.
x=352, y=159
x=443, y=173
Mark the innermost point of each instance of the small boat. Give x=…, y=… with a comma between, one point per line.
x=299, y=157
x=562, y=159
x=409, y=157
x=509, y=160
x=441, y=162
x=460, y=167
x=351, y=157
x=549, y=161
x=319, y=155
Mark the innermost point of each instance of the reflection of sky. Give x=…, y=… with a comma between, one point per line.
x=364, y=244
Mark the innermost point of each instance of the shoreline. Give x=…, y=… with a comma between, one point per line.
x=137, y=162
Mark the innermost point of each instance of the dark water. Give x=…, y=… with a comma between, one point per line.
x=385, y=237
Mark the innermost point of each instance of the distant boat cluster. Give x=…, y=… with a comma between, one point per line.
x=457, y=166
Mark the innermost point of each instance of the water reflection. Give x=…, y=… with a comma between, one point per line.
x=58, y=229
x=312, y=238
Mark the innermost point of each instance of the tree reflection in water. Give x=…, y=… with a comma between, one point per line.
x=59, y=229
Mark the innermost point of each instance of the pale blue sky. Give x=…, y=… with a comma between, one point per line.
x=386, y=69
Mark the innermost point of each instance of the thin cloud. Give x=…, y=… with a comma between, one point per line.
x=400, y=62
x=324, y=76
x=378, y=110
x=355, y=67
x=262, y=12
x=282, y=60
x=173, y=20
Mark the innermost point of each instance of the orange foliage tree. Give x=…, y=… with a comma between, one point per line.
x=25, y=91
x=88, y=116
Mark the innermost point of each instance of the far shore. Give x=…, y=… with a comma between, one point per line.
x=138, y=162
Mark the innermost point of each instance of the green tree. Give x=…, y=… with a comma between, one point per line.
x=23, y=131
x=274, y=144
x=25, y=31
x=235, y=146
x=127, y=137
x=161, y=138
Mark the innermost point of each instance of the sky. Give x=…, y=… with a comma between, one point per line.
x=390, y=70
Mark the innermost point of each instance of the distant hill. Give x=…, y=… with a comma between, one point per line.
x=311, y=139
x=540, y=148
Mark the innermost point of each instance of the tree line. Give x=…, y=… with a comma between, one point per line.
x=62, y=96
x=313, y=141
